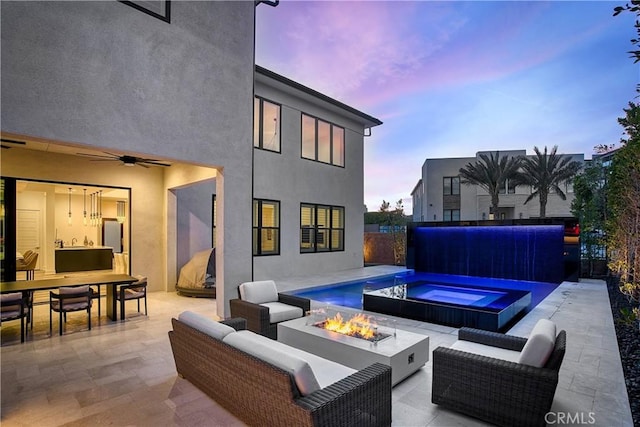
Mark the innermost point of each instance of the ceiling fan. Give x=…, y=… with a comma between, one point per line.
x=126, y=160
x=10, y=141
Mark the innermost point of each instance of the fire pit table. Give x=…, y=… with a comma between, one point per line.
x=404, y=351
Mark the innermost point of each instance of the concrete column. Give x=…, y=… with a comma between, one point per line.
x=233, y=235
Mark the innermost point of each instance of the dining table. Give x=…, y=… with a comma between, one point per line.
x=110, y=280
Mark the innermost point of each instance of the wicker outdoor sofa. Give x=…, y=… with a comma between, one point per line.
x=505, y=393
x=260, y=393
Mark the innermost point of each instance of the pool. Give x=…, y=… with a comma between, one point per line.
x=350, y=294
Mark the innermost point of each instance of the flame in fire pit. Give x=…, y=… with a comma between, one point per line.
x=359, y=326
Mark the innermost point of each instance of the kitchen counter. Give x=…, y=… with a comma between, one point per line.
x=84, y=258
x=68, y=248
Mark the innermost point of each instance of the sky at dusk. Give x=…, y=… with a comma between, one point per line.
x=449, y=79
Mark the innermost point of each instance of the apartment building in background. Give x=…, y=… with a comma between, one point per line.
x=440, y=195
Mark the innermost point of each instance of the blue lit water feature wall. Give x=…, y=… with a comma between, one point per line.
x=520, y=252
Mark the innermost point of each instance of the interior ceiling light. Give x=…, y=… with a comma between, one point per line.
x=120, y=216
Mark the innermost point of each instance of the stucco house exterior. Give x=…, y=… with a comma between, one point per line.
x=313, y=175
x=440, y=196
x=179, y=86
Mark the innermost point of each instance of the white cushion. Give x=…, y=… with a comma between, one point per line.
x=269, y=351
x=279, y=312
x=326, y=371
x=259, y=292
x=205, y=325
x=540, y=344
x=487, y=350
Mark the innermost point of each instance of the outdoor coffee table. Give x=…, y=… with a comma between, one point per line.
x=406, y=352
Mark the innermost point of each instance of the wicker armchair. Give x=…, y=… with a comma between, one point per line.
x=256, y=310
x=498, y=391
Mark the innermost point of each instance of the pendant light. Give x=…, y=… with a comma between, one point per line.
x=84, y=214
x=69, y=220
x=100, y=208
x=91, y=216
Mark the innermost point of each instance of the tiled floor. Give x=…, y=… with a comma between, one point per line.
x=122, y=373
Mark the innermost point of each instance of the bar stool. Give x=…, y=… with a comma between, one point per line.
x=28, y=265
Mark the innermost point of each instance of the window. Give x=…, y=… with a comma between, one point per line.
x=568, y=187
x=266, y=227
x=158, y=9
x=451, y=185
x=509, y=187
x=321, y=228
x=322, y=141
x=451, y=215
x=266, y=125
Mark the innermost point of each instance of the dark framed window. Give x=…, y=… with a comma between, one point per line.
x=322, y=141
x=451, y=185
x=266, y=125
x=451, y=215
x=158, y=9
x=321, y=228
x=266, y=227
x=8, y=243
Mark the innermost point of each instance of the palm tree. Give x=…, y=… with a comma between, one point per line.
x=546, y=172
x=491, y=174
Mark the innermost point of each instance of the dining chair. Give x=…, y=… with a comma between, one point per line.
x=96, y=294
x=134, y=291
x=69, y=299
x=13, y=307
x=28, y=302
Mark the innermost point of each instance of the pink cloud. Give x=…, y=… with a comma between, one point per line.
x=366, y=53
x=348, y=49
